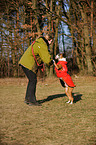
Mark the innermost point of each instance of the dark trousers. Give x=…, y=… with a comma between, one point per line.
x=31, y=87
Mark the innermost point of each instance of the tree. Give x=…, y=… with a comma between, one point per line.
x=22, y=21
x=79, y=18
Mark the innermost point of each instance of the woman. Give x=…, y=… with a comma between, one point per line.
x=31, y=61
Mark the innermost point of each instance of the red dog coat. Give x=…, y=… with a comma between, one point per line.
x=63, y=73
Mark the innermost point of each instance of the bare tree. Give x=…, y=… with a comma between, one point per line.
x=22, y=21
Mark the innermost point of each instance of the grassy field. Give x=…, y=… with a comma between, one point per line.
x=53, y=123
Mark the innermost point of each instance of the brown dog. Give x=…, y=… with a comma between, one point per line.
x=65, y=79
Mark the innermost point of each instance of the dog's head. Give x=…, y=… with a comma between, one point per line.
x=60, y=57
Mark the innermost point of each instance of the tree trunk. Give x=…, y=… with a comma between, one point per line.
x=1, y=55
x=87, y=43
x=56, y=49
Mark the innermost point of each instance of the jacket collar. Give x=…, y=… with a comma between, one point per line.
x=62, y=59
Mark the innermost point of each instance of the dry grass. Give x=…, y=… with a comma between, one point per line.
x=53, y=123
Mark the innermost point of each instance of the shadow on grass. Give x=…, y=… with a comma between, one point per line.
x=77, y=97
x=51, y=97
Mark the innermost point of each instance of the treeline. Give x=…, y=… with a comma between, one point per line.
x=21, y=21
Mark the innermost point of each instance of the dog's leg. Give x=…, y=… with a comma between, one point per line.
x=70, y=94
x=66, y=92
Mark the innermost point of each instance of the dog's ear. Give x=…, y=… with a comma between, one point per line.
x=57, y=56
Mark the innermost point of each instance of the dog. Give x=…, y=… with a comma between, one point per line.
x=64, y=77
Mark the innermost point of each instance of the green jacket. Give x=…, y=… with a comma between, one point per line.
x=41, y=53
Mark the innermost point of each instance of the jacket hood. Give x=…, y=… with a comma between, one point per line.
x=45, y=40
